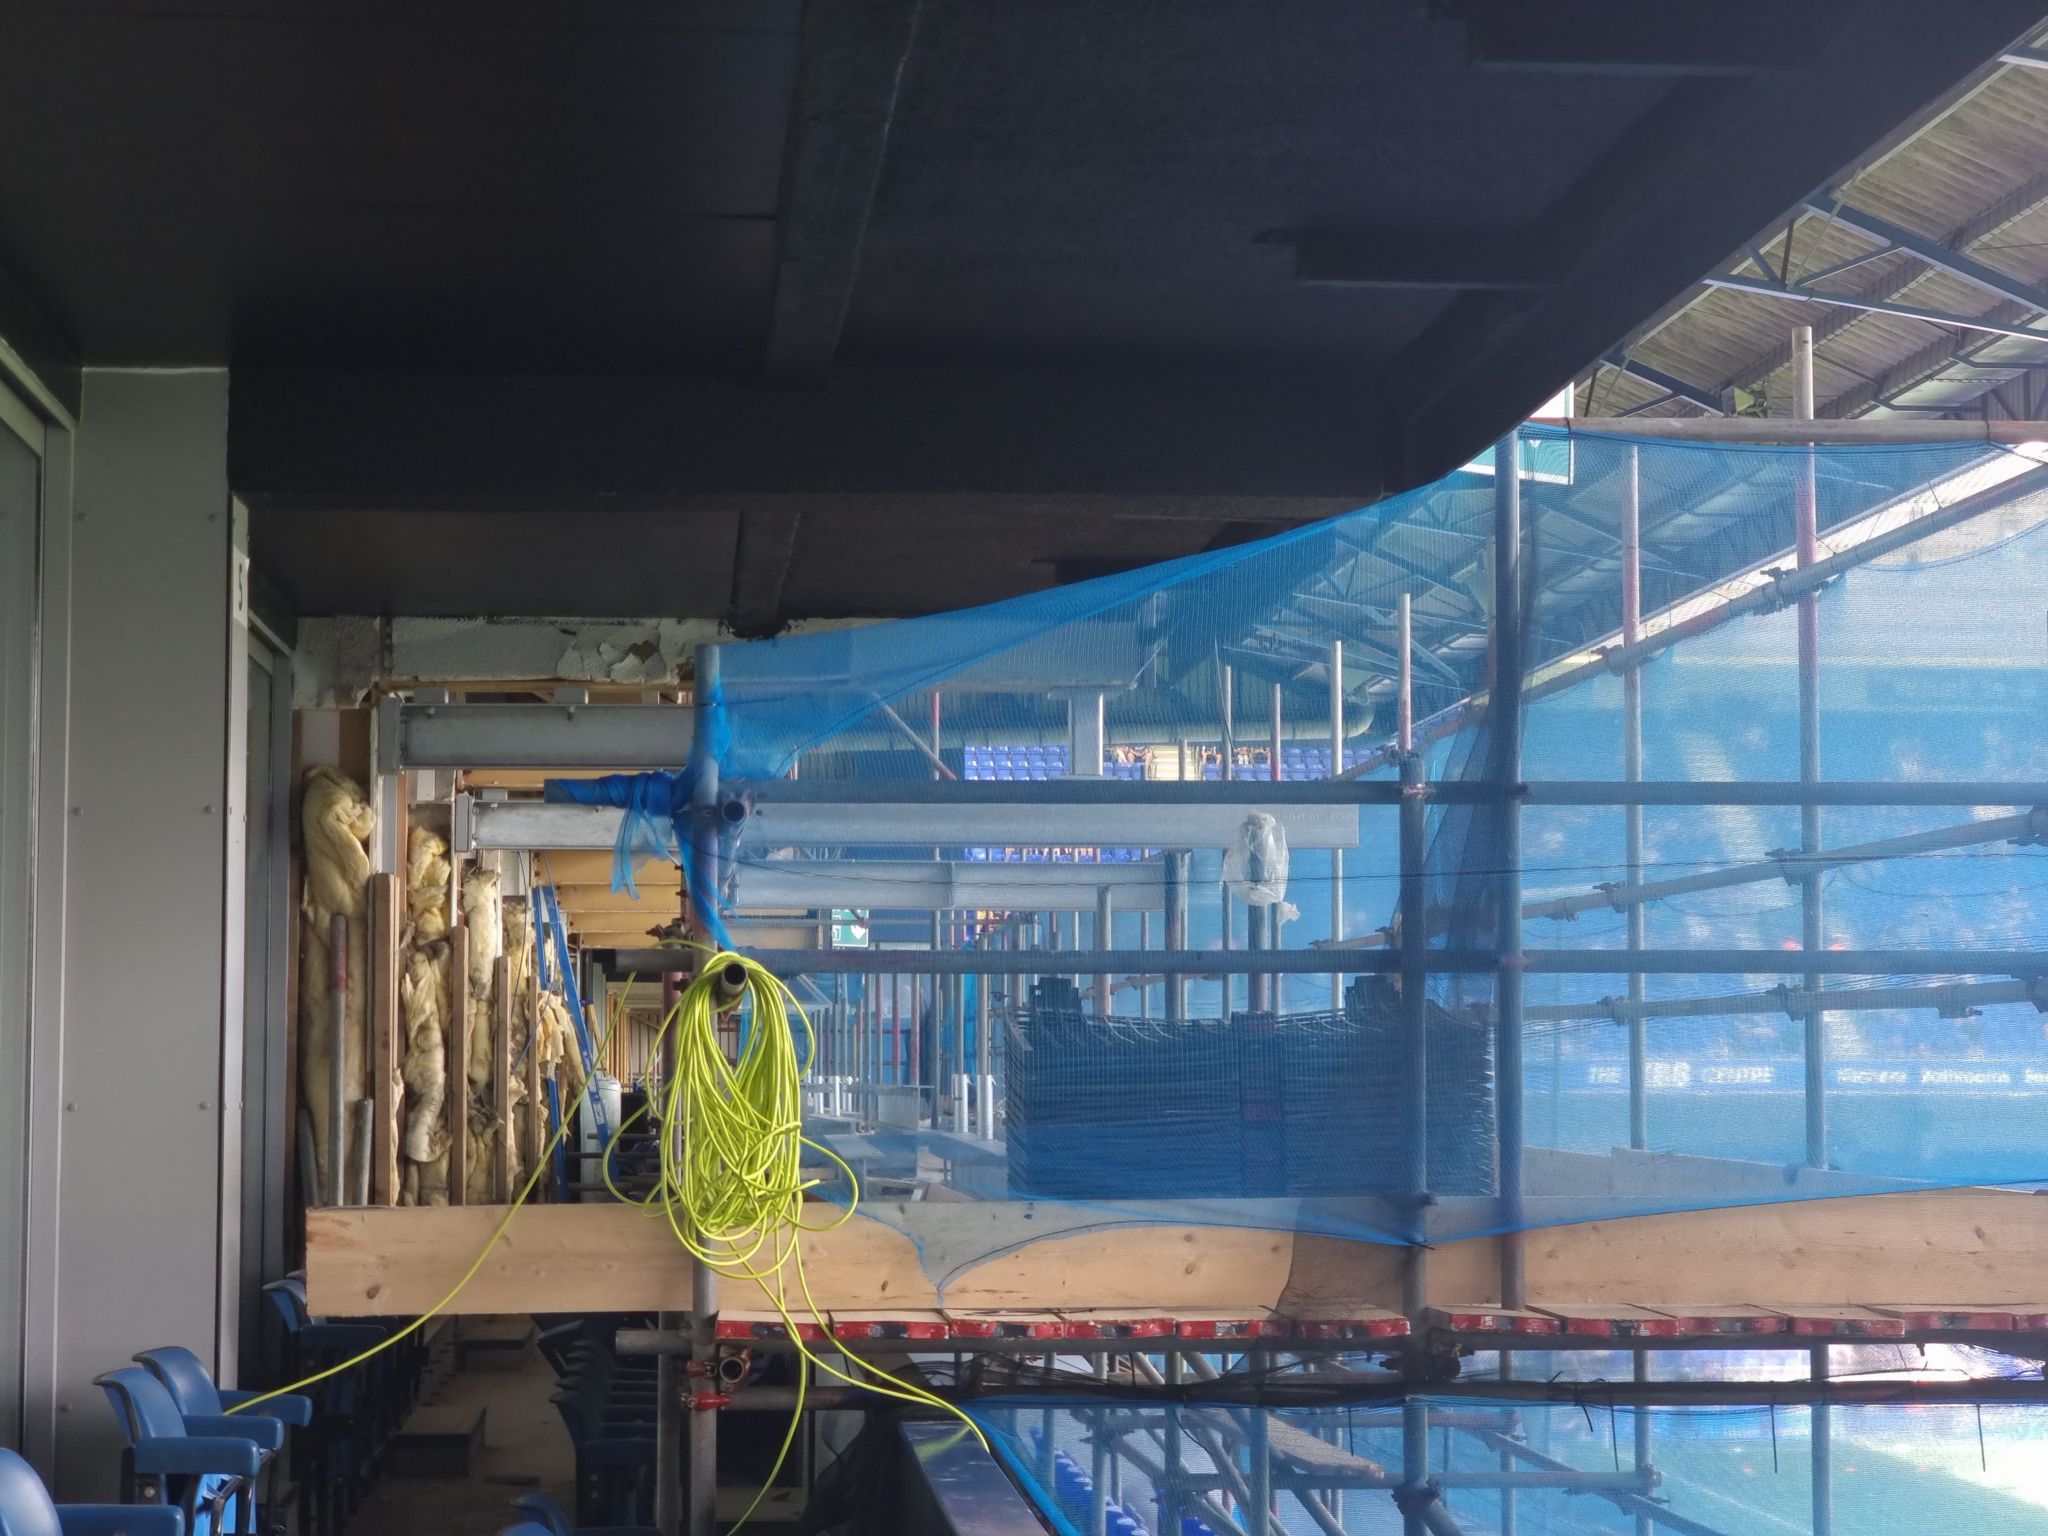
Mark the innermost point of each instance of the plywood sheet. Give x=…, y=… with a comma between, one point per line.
x=368, y=1262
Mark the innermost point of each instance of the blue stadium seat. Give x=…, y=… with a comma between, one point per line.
x=26, y=1509
x=204, y=1467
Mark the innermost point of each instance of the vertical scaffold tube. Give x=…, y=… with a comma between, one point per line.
x=1270, y=929
x=1642, y=1431
x=701, y=1493
x=669, y=1377
x=1337, y=854
x=1806, y=525
x=1632, y=770
x=1414, y=1033
x=1506, y=713
x=1105, y=929
x=1177, y=931
x=1822, y=1426
x=1414, y=925
x=1414, y=1467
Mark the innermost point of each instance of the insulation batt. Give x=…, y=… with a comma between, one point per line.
x=423, y=994
x=337, y=821
x=483, y=916
x=518, y=941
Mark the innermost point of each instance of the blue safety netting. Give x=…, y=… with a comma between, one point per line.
x=1279, y=1101
x=1142, y=1468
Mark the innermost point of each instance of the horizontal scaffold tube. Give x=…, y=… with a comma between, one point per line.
x=1783, y=431
x=1276, y=962
x=1787, y=866
x=1630, y=1503
x=1791, y=866
x=1058, y=794
x=1952, y=998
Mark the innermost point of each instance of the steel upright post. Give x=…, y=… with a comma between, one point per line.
x=1105, y=928
x=1337, y=854
x=1144, y=943
x=669, y=1376
x=1171, y=1449
x=1506, y=713
x=1642, y=1428
x=701, y=1494
x=1632, y=770
x=1414, y=1463
x=1226, y=706
x=1270, y=927
x=1177, y=931
x=1822, y=1427
x=1259, y=1452
x=1812, y=935
x=1506, y=1372
x=1414, y=912
x=1226, y=709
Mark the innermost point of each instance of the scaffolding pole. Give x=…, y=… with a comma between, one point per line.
x=1950, y=997
x=1821, y=1432
x=1337, y=767
x=2025, y=827
x=1414, y=1488
x=1440, y=962
x=1806, y=535
x=701, y=1492
x=1506, y=763
x=1177, y=873
x=1641, y=1424
x=1105, y=931
x=1631, y=1503
x=1632, y=771
x=1508, y=1512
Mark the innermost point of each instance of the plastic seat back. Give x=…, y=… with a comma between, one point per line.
x=143, y=1405
x=538, y=1509
x=25, y=1506
x=184, y=1376
x=289, y=1297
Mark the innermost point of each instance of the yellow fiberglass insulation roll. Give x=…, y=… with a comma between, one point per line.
x=559, y=1059
x=337, y=821
x=518, y=941
x=483, y=915
x=423, y=1005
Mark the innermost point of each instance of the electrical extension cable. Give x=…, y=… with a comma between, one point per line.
x=731, y=1186
x=540, y=1167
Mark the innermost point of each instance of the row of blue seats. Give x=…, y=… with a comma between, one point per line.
x=1050, y=856
x=1074, y=1490
x=194, y=1459
x=1129, y=773
x=197, y=1459
x=607, y=1404
x=1005, y=756
x=990, y=761
x=359, y=1403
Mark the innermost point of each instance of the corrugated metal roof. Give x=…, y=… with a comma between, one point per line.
x=1975, y=179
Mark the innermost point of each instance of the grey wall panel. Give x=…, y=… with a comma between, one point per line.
x=20, y=500
x=140, y=1178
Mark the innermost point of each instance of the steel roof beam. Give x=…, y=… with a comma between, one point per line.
x=1945, y=258
x=1682, y=389
x=1741, y=284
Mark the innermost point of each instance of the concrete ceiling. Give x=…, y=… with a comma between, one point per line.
x=768, y=310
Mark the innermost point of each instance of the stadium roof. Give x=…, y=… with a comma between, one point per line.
x=1923, y=269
